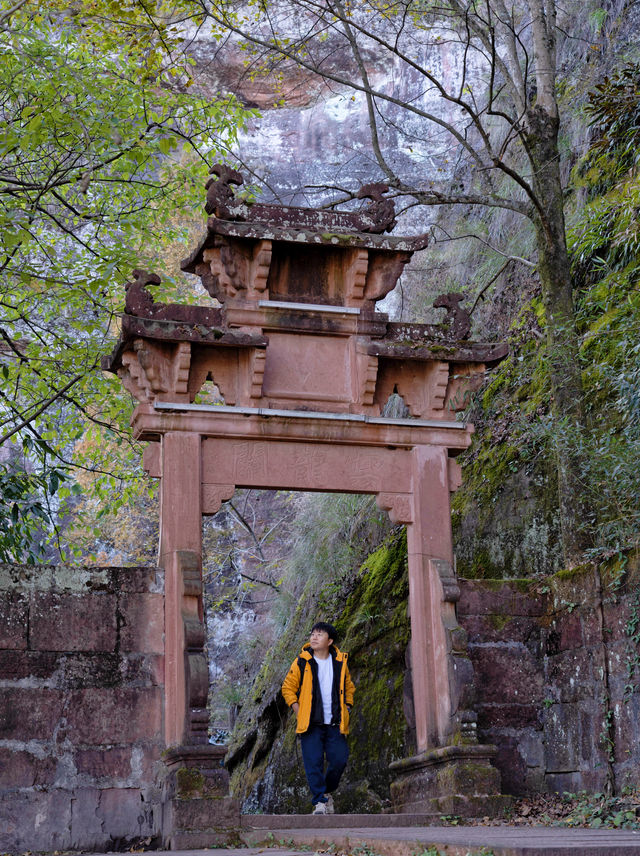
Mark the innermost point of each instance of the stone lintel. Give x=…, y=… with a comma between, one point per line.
x=148, y=425
x=277, y=315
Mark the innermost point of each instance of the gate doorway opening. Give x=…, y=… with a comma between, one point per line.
x=306, y=557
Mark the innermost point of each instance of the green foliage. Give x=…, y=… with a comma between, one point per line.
x=334, y=532
x=25, y=502
x=521, y=436
x=600, y=811
x=103, y=137
x=614, y=112
x=605, y=245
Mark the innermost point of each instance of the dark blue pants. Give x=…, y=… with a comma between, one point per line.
x=316, y=743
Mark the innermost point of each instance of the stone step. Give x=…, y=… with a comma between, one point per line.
x=454, y=841
x=335, y=821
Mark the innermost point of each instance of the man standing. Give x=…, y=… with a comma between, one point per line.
x=320, y=691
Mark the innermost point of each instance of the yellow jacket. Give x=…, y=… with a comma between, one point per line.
x=299, y=683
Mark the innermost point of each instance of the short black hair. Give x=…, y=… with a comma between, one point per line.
x=328, y=628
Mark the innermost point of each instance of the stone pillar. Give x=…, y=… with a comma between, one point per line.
x=451, y=774
x=428, y=543
x=197, y=809
x=181, y=558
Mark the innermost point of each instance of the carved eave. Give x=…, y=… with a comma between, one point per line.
x=176, y=331
x=299, y=235
x=427, y=342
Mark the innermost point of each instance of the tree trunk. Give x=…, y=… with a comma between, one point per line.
x=562, y=340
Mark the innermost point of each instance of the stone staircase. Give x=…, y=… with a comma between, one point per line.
x=261, y=822
x=409, y=835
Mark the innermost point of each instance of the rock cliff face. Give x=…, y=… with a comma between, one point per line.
x=313, y=133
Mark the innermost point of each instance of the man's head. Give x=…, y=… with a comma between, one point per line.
x=322, y=636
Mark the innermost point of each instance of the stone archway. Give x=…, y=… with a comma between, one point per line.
x=305, y=365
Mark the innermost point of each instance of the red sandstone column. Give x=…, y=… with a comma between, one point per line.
x=180, y=533
x=429, y=540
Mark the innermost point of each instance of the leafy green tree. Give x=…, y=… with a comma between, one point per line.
x=104, y=136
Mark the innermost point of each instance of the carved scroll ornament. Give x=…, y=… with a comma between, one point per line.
x=457, y=319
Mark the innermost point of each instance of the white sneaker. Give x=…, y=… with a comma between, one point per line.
x=329, y=804
x=320, y=808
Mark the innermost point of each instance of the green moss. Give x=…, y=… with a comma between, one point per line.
x=572, y=574
x=499, y=621
x=341, y=237
x=190, y=782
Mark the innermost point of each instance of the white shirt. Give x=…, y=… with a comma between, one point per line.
x=325, y=679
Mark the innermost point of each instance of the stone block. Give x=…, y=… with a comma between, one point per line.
x=486, y=805
x=142, y=627
x=574, y=586
x=531, y=748
x=111, y=763
x=119, y=715
x=17, y=665
x=125, y=814
x=72, y=622
x=14, y=620
x=142, y=670
x=509, y=716
x=627, y=728
x=562, y=745
x=591, y=631
x=564, y=783
x=618, y=654
x=140, y=580
x=192, y=783
x=204, y=814
x=86, y=826
x=570, y=676
x=589, y=736
x=35, y=821
x=511, y=764
x=481, y=597
x=594, y=779
x=616, y=617
x=224, y=838
x=112, y=818
x=446, y=772
x=21, y=769
x=29, y=714
x=506, y=675
x=79, y=670
x=570, y=630
x=495, y=628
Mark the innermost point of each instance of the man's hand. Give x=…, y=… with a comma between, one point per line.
x=294, y=707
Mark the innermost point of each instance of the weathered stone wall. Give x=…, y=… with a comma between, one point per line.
x=556, y=671
x=81, y=684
